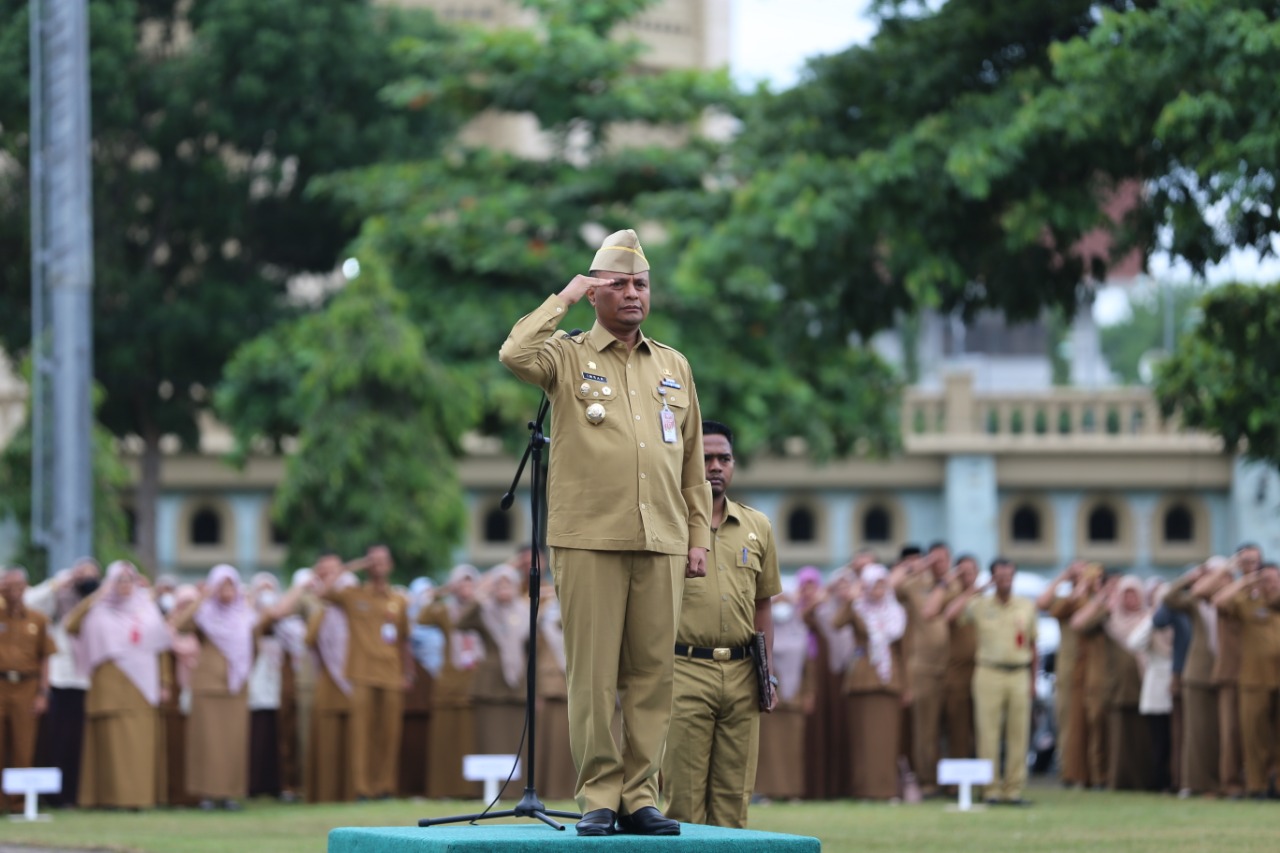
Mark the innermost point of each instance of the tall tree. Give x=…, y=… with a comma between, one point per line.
x=957, y=161
x=381, y=424
x=210, y=122
x=1224, y=376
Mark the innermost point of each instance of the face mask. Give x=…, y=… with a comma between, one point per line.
x=166, y=602
x=86, y=587
x=268, y=599
x=783, y=611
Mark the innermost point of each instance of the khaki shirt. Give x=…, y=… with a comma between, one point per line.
x=615, y=485
x=742, y=566
x=1006, y=631
x=379, y=626
x=927, y=640
x=24, y=641
x=1259, y=639
x=1066, y=671
x=964, y=644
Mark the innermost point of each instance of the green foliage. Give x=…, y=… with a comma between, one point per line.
x=378, y=419
x=1143, y=331
x=1225, y=375
x=110, y=482
x=478, y=237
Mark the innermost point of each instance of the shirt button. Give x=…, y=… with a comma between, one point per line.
x=642, y=476
x=558, y=310
x=637, y=417
x=642, y=506
x=724, y=598
x=633, y=393
x=642, y=444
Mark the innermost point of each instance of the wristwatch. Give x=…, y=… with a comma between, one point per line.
x=773, y=679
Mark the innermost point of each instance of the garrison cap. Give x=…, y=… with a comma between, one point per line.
x=621, y=252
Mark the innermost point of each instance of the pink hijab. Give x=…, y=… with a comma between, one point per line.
x=228, y=626
x=885, y=619
x=333, y=636
x=1122, y=622
x=126, y=630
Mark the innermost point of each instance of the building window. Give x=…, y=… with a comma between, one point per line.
x=877, y=525
x=206, y=527
x=1025, y=524
x=1179, y=524
x=497, y=525
x=278, y=536
x=801, y=525
x=1102, y=525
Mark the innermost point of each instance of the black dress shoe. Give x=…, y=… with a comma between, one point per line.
x=597, y=822
x=648, y=821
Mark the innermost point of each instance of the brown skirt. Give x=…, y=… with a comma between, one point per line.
x=875, y=723
x=451, y=737
x=217, y=746
x=121, y=766
x=780, y=773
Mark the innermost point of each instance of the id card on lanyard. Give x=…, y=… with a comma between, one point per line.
x=668, y=418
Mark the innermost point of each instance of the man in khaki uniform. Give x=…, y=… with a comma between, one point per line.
x=928, y=651
x=1252, y=602
x=628, y=521
x=1004, y=680
x=25, y=647
x=957, y=684
x=379, y=667
x=709, y=768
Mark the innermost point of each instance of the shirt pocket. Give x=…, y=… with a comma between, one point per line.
x=676, y=400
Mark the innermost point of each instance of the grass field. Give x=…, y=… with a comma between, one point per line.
x=1059, y=821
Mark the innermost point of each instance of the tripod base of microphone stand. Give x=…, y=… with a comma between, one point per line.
x=529, y=806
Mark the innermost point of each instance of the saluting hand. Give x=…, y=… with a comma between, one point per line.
x=578, y=287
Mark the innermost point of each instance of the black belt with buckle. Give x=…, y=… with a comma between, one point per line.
x=721, y=654
x=13, y=676
x=1005, y=667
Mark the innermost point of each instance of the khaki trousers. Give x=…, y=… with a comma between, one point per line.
x=377, y=715
x=709, y=766
x=1200, y=739
x=619, y=612
x=1095, y=729
x=17, y=714
x=1230, y=769
x=1002, y=711
x=927, y=701
x=958, y=702
x=1259, y=735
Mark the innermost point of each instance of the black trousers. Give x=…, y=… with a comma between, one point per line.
x=59, y=741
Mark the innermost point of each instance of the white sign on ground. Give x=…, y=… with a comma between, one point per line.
x=492, y=770
x=964, y=773
x=31, y=782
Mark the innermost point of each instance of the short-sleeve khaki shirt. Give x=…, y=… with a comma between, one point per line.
x=24, y=641
x=379, y=624
x=615, y=484
x=719, y=610
x=1259, y=639
x=1006, y=631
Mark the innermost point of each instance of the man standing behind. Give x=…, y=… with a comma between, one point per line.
x=1004, y=680
x=709, y=768
x=25, y=647
x=628, y=521
x=379, y=667
x=928, y=651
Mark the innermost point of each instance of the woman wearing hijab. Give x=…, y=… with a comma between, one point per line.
x=452, y=730
x=780, y=773
x=498, y=688
x=425, y=644
x=1127, y=733
x=183, y=655
x=828, y=742
x=328, y=768
x=122, y=643
x=1154, y=649
x=218, y=726
x=266, y=688
x=875, y=682
x=297, y=685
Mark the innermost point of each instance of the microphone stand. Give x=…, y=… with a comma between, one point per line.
x=530, y=805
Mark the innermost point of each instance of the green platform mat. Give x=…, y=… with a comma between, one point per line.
x=539, y=838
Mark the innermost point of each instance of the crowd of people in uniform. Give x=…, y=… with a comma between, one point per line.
x=336, y=689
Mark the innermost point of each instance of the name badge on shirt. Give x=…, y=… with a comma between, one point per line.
x=594, y=377
x=670, y=383
x=389, y=632
x=668, y=417
x=744, y=556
